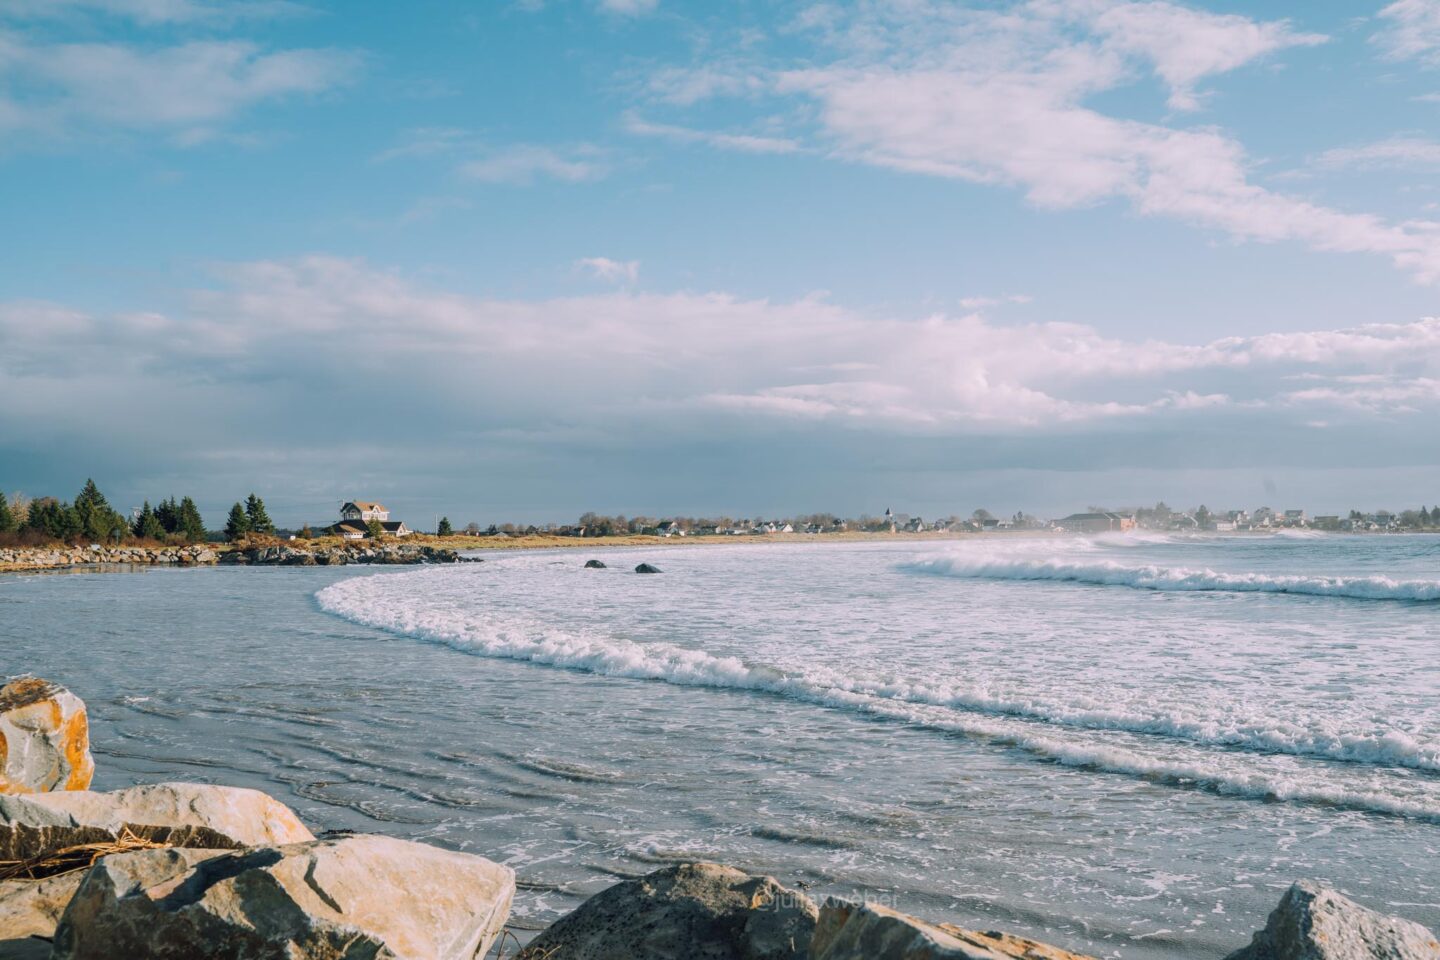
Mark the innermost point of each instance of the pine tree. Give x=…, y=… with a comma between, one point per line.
x=97, y=520
x=374, y=530
x=7, y=519
x=255, y=513
x=238, y=523
x=54, y=519
x=444, y=530
x=190, y=523
x=168, y=513
x=147, y=526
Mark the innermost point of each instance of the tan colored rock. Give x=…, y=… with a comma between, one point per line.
x=1316, y=923
x=693, y=911
x=355, y=897
x=32, y=908
x=44, y=738
x=867, y=931
x=182, y=814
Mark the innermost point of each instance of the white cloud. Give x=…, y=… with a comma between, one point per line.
x=1002, y=97
x=1396, y=153
x=981, y=303
x=629, y=8
x=687, y=86
x=1410, y=31
x=745, y=143
x=1187, y=45
x=155, y=12
x=524, y=163
x=614, y=271
x=80, y=87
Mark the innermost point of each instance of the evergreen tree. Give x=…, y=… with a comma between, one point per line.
x=444, y=530
x=238, y=523
x=97, y=520
x=7, y=519
x=168, y=513
x=54, y=519
x=190, y=523
x=147, y=525
x=255, y=513
x=374, y=530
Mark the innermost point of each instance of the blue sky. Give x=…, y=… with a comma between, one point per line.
x=514, y=260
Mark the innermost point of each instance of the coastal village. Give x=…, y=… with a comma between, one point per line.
x=1094, y=520
x=90, y=519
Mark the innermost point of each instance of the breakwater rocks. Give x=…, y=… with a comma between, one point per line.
x=288, y=555
x=292, y=556
x=194, y=871
x=41, y=558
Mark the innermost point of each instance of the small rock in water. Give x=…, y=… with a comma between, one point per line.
x=1315, y=923
x=594, y=565
x=694, y=910
x=44, y=738
x=360, y=896
x=647, y=568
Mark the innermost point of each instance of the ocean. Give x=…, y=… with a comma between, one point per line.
x=1127, y=745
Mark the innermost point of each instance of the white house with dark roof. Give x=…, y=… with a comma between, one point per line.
x=355, y=517
x=364, y=511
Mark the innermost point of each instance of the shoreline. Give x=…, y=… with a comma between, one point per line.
x=416, y=548
x=427, y=548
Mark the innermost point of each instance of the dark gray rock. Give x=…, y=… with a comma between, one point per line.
x=694, y=911
x=647, y=568
x=594, y=565
x=1316, y=923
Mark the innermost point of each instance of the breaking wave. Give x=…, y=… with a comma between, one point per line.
x=399, y=604
x=1110, y=573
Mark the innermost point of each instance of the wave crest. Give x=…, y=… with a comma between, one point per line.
x=1181, y=579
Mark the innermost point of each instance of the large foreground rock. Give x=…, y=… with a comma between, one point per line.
x=181, y=814
x=44, y=738
x=30, y=910
x=353, y=898
x=865, y=931
x=694, y=911
x=1316, y=923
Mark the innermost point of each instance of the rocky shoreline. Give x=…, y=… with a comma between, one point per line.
x=180, y=871
x=53, y=558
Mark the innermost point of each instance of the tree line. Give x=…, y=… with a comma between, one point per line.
x=89, y=518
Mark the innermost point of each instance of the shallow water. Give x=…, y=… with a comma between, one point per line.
x=1153, y=734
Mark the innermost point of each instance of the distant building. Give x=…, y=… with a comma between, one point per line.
x=1097, y=522
x=355, y=518
x=364, y=511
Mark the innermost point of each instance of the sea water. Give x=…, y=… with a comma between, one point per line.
x=1125, y=744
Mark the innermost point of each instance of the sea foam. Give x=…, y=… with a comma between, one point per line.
x=1180, y=579
x=403, y=604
